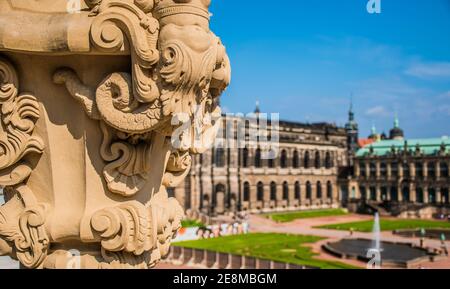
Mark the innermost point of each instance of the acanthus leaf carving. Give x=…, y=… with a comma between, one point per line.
x=22, y=218
x=133, y=228
x=19, y=113
x=22, y=225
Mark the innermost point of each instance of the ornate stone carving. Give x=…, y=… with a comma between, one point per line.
x=22, y=230
x=192, y=72
x=19, y=113
x=22, y=218
x=152, y=116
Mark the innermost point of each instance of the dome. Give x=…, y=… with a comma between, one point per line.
x=396, y=133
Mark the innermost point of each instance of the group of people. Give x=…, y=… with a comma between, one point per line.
x=216, y=231
x=444, y=217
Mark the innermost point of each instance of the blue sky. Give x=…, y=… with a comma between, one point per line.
x=303, y=59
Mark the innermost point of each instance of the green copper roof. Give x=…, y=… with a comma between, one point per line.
x=429, y=146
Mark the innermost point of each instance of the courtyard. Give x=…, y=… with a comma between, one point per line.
x=271, y=246
x=299, y=238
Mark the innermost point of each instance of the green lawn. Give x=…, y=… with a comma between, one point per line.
x=291, y=216
x=389, y=225
x=276, y=247
x=191, y=224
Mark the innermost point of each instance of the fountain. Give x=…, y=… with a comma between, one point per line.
x=377, y=253
x=376, y=241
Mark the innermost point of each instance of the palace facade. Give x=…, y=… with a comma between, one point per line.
x=320, y=165
x=399, y=170
x=303, y=175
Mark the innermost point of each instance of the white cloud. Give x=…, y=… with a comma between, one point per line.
x=429, y=70
x=377, y=111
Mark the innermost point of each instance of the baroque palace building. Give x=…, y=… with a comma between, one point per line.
x=303, y=175
x=399, y=170
x=320, y=165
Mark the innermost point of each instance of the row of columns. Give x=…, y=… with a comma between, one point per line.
x=251, y=158
x=412, y=169
x=441, y=194
x=292, y=190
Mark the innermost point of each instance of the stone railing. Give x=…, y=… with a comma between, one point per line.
x=205, y=259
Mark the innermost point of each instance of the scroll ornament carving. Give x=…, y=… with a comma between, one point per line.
x=22, y=231
x=134, y=229
x=175, y=69
x=22, y=218
x=19, y=113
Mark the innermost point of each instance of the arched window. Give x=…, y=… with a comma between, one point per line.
x=297, y=191
x=317, y=161
x=283, y=159
x=258, y=162
x=431, y=170
x=285, y=191
x=363, y=192
x=373, y=169
x=405, y=194
x=419, y=170
x=373, y=193
x=431, y=195
x=296, y=160
x=219, y=157
x=273, y=191
x=306, y=160
x=406, y=172
x=260, y=192
x=394, y=193
x=394, y=169
x=308, y=190
x=384, y=193
x=319, y=190
x=220, y=188
x=362, y=169
x=328, y=161
x=383, y=170
x=329, y=190
x=246, y=192
x=245, y=163
x=419, y=195
x=444, y=169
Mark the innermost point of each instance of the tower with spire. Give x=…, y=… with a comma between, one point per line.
x=396, y=133
x=257, y=108
x=373, y=134
x=352, y=130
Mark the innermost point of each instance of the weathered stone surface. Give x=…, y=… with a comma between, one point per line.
x=90, y=104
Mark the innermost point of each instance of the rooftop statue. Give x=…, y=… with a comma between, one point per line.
x=90, y=103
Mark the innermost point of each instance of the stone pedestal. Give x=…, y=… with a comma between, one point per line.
x=102, y=108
